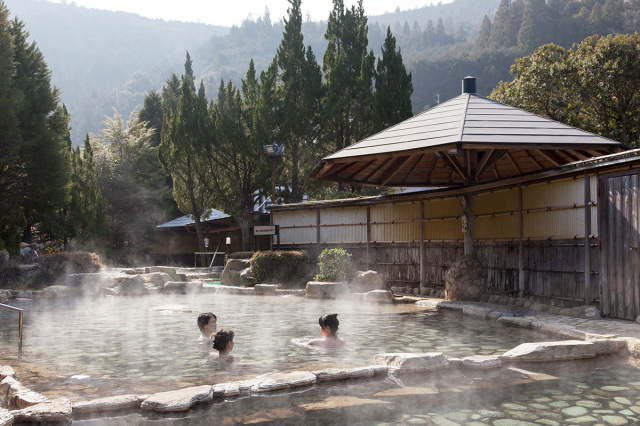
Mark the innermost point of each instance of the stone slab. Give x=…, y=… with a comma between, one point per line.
x=477, y=311
x=277, y=381
x=58, y=410
x=6, y=418
x=324, y=290
x=379, y=296
x=482, y=362
x=6, y=371
x=344, y=373
x=113, y=403
x=178, y=400
x=411, y=362
x=516, y=321
x=551, y=351
x=265, y=289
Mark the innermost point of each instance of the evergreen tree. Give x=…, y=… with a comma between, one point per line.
x=184, y=134
x=301, y=93
x=534, y=30
x=393, y=87
x=43, y=128
x=484, y=35
x=151, y=112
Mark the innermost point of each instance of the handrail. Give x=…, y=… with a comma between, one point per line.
x=12, y=308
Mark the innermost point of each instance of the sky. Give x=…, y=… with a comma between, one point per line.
x=229, y=12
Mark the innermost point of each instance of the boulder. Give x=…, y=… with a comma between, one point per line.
x=349, y=373
x=28, y=294
x=166, y=270
x=410, y=363
x=236, y=278
x=379, y=296
x=132, y=286
x=265, y=289
x=55, y=291
x=366, y=281
x=180, y=287
x=159, y=279
x=6, y=371
x=113, y=403
x=4, y=257
x=551, y=351
x=237, y=265
x=4, y=298
x=58, y=410
x=88, y=284
x=6, y=418
x=21, y=397
x=322, y=290
x=482, y=362
x=277, y=381
x=178, y=400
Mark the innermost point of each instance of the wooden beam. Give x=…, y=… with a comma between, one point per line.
x=360, y=170
x=551, y=157
x=395, y=167
x=422, y=251
x=430, y=172
x=376, y=170
x=342, y=168
x=587, y=242
x=520, y=243
x=571, y=156
x=534, y=160
x=513, y=162
x=453, y=163
x=490, y=160
x=420, y=157
x=483, y=163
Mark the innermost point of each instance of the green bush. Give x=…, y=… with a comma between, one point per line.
x=282, y=267
x=56, y=265
x=240, y=255
x=334, y=265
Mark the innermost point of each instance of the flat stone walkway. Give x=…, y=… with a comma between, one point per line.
x=561, y=323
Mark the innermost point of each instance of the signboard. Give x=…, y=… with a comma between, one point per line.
x=264, y=230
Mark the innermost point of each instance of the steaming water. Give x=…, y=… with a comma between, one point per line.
x=106, y=346
x=603, y=392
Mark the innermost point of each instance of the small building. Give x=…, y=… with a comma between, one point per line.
x=550, y=211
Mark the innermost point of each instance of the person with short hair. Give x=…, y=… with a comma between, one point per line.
x=223, y=343
x=208, y=325
x=328, y=328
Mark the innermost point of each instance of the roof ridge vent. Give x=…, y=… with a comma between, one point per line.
x=469, y=85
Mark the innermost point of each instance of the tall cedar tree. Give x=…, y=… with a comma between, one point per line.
x=534, y=30
x=301, y=93
x=43, y=126
x=183, y=137
x=393, y=87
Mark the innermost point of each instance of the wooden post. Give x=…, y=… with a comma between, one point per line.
x=318, y=232
x=368, y=237
x=587, y=241
x=520, y=244
x=469, y=249
x=421, y=244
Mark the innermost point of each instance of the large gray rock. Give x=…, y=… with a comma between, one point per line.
x=167, y=270
x=158, y=279
x=133, y=286
x=113, y=403
x=88, y=284
x=236, y=278
x=277, y=381
x=55, y=291
x=179, y=287
x=6, y=418
x=237, y=264
x=482, y=362
x=349, y=373
x=265, y=289
x=322, y=290
x=23, y=398
x=6, y=371
x=366, y=281
x=379, y=296
x=58, y=410
x=409, y=363
x=551, y=351
x=178, y=400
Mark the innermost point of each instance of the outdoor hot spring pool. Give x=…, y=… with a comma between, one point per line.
x=84, y=348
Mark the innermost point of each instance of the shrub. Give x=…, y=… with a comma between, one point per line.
x=240, y=255
x=282, y=267
x=334, y=265
x=56, y=265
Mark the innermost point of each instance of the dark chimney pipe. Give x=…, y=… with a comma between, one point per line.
x=469, y=85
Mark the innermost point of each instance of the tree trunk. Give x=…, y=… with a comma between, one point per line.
x=245, y=225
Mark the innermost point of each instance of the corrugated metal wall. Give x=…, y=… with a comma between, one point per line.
x=552, y=226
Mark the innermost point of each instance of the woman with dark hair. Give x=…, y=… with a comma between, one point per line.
x=328, y=328
x=208, y=325
x=223, y=343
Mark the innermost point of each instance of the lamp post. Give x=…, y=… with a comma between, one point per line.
x=274, y=152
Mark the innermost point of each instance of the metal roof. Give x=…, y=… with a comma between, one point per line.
x=188, y=220
x=468, y=139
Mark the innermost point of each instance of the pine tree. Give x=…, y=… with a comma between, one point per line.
x=301, y=91
x=534, y=31
x=151, y=112
x=484, y=35
x=393, y=87
x=43, y=128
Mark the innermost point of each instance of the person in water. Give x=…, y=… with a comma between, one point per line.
x=223, y=343
x=208, y=325
x=329, y=329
